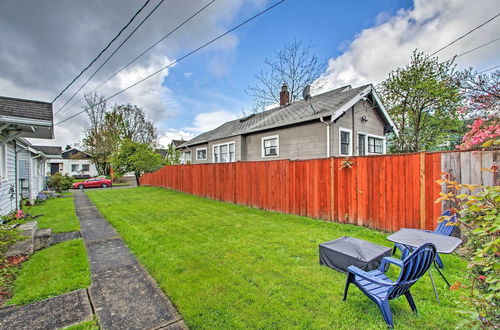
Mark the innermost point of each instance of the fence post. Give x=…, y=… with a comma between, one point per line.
x=422, y=190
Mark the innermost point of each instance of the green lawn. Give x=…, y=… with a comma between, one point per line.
x=58, y=214
x=52, y=271
x=229, y=266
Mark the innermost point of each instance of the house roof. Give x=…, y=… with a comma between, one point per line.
x=332, y=103
x=70, y=151
x=177, y=143
x=26, y=118
x=28, y=109
x=49, y=150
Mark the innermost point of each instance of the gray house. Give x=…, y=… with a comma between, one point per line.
x=22, y=166
x=342, y=122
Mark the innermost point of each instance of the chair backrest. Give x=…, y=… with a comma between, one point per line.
x=414, y=266
x=443, y=228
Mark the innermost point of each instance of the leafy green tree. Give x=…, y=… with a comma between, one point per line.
x=422, y=99
x=172, y=156
x=135, y=157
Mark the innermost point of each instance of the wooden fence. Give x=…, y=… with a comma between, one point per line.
x=386, y=192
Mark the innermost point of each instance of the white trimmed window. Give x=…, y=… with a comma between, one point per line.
x=75, y=167
x=201, y=154
x=224, y=153
x=187, y=156
x=375, y=145
x=3, y=161
x=271, y=146
x=371, y=144
x=345, y=142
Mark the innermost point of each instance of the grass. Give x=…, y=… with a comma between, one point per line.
x=87, y=325
x=230, y=266
x=50, y=272
x=58, y=214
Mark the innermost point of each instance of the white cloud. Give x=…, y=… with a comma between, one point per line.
x=174, y=134
x=431, y=24
x=209, y=120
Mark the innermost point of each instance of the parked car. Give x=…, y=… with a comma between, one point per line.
x=93, y=183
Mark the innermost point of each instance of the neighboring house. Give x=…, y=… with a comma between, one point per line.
x=343, y=122
x=73, y=162
x=175, y=144
x=21, y=165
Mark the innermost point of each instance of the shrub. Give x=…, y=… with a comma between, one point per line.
x=59, y=182
x=479, y=221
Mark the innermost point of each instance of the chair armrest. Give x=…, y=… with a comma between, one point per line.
x=389, y=260
x=361, y=273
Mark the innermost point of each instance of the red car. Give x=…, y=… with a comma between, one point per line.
x=93, y=183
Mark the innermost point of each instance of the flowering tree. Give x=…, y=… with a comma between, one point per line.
x=482, y=108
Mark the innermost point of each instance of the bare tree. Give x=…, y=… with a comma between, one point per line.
x=108, y=128
x=130, y=123
x=295, y=65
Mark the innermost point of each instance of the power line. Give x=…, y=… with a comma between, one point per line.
x=179, y=59
x=102, y=51
x=147, y=50
x=493, y=68
x=111, y=55
x=473, y=49
x=466, y=34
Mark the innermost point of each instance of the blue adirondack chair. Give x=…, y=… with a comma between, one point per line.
x=379, y=288
x=442, y=229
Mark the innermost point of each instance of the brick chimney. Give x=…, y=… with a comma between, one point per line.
x=284, y=95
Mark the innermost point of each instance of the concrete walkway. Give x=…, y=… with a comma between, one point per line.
x=123, y=294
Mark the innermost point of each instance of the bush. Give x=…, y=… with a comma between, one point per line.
x=479, y=221
x=59, y=182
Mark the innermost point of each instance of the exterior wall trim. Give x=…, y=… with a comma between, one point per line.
x=262, y=139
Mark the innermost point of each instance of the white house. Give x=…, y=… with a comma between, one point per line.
x=73, y=162
x=21, y=165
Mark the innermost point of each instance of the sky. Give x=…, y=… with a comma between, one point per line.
x=46, y=43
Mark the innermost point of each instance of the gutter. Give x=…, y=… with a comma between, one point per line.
x=328, y=125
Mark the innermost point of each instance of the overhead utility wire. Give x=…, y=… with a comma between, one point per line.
x=473, y=49
x=493, y=68
x=102, y=51
x=111, y=55
x=464, y=35
x=180, y=59
x=147, y=50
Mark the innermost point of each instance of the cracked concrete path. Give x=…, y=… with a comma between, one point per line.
x=123, y=294
x=54, y=313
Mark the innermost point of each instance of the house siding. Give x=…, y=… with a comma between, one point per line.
x=303, y=141
x=237, y=147
x=8, y=204
x=374, y=126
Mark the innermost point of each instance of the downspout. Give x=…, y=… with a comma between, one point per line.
x=354, y=138
x=327, y=136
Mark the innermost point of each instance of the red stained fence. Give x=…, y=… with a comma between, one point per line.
x=386, y=192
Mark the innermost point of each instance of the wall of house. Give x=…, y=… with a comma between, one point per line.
x=304, y=141
x=8, y=180
x=374, y=126
x=65, y=166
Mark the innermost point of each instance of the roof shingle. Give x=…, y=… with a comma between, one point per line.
x=29, y=109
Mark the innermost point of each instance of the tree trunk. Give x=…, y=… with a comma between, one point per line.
x=137, y=177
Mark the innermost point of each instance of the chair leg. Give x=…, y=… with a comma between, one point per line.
x=386, y=312
x=410, y=301
x=348, y=281
x=439, y=262
x=394, y=249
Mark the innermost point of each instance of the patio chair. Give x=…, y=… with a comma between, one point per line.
x=379, y=288
x=442, y=229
